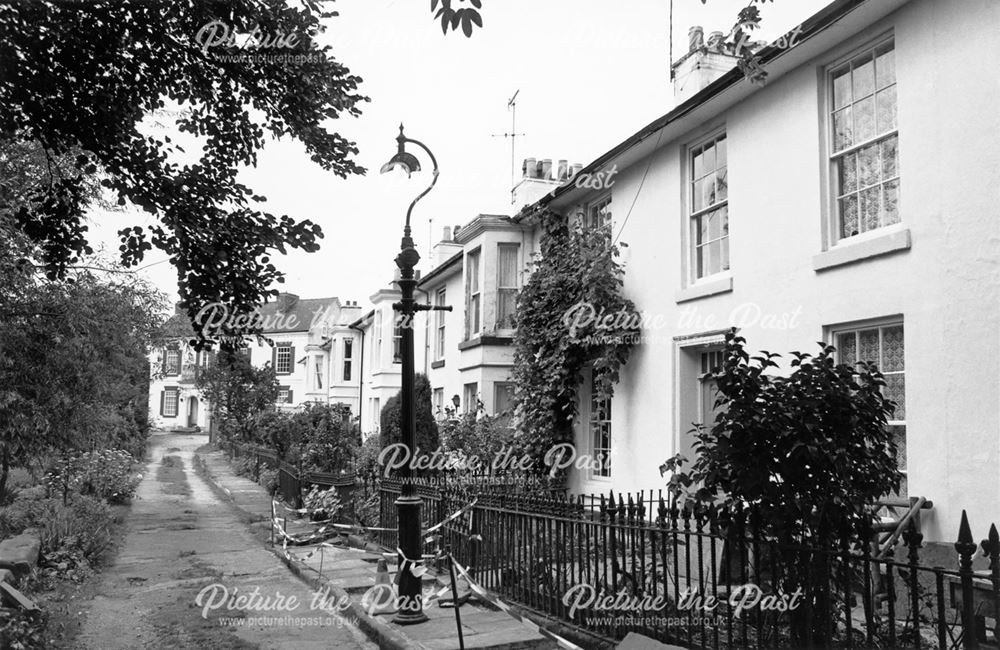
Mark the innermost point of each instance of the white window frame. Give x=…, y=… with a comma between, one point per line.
x=318, y=371
x=397, y=337
x=347, y=370
x=377, y=348
x=500, y=288
x=593, y=209
x=595, y=473
x=473, y=299
x=691, y=214
x=437, y=397
x=283, y=394
x=833, y=219
x=470, y=397
x=168, y=352
x=167, y=394
x=440, y=300
x=287, y=349
x=833, y=332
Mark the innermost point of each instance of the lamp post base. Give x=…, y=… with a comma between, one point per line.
x=410, y=602
x=409, y=618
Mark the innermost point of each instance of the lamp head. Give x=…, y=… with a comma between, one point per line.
x=403, y=159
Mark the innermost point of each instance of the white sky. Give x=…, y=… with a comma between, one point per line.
x=590, y=73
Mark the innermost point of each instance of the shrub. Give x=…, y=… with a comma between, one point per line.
x=476, y=435
x=329, y=438
x=246, y=466
x=427, y=438
x=269, y=479
x=322, y=504
x=368, y=512
x=21, y=630
x=70, y=533
x=807, y=455
x=366, y=460
x=104, y=474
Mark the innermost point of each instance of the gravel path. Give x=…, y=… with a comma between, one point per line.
x=181, y=538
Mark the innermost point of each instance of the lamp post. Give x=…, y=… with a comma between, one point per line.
x=409, y=603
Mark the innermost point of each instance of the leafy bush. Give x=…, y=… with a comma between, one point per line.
x=21, y=630
x=366, y=460
x=104, y=474
x=81, y=527
x=246, y=466
x=329, y=439
x=368, y=511
x=322, y=504
x=477, y=435
x=427, y=438
x=804, y=455
x=269, y=479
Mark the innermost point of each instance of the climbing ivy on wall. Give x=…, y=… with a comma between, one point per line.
x=571, y=315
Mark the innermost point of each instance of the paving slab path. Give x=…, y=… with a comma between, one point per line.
x=181, y=539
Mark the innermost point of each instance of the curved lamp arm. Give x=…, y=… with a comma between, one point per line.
x=434, y=174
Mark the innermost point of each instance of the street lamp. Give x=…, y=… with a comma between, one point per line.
x=409, y=603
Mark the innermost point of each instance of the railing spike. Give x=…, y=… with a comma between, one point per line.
x=964, y=533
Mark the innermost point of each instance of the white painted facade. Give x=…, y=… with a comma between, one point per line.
x=791, y=282
x=304, y=340
x=472, y=356
x=381, y=375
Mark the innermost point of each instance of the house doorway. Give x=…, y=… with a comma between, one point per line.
x=192, y=419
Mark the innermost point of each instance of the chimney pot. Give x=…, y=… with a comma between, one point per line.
x=446, y=235
x=546, y=169
x=286, y=301
x=454, y=232
x=715, y=41
x=563, y=169
x=530, y=168
x=696, y=38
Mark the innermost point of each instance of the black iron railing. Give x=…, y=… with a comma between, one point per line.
x=699, y=581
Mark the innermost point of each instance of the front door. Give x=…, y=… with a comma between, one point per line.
x=192, y=420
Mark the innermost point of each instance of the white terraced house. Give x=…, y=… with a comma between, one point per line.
x=885, y=244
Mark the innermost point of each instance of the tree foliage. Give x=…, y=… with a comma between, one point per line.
x=802, y=458
x=80, y=78
x=239, y=392
x=427, y=430
x=571, y=315
x=809, y=453
x=73, y=367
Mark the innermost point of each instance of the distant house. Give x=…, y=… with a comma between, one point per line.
x=307, y=341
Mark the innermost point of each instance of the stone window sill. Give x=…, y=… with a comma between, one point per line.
x=848, y=252
x=437, y=364
x=705, y=289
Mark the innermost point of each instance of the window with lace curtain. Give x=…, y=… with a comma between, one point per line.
x=472, y=295
x=506, y=284
x=883, y=346
x=865, y=142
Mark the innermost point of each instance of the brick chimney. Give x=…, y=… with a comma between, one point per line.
x=446, y=248
x=701, y=64
x=287, y=302
x=539, y=177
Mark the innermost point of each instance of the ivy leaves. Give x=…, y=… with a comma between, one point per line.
x=571, y=315
x=452, y=18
